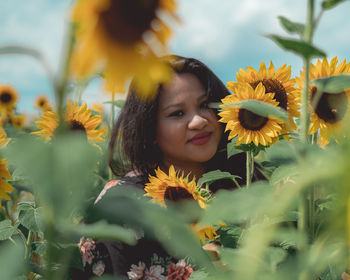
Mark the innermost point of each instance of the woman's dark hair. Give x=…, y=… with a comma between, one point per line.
x=135, y=130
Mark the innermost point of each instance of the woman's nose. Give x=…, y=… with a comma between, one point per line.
x=197, y=122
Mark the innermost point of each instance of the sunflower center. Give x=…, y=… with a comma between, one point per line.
x=277, y=88
x=77, y=126
x=251, y=121
x=177, y=194
x=331, y=107
x=41, y=103
x=126, y=20
x=5, y=97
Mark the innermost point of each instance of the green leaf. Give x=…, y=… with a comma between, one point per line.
x=261, y=108
x=215, y=175
x=127, y=205
x=118, y=103
x=30, y=217
x=11, y=261
x=329, y=4
x=6, y=229
x=232, y=149
x=39, y=247
x=103, y=230
x=236, y=206
x=299, y=47
x=334, y=84
x=291, y=27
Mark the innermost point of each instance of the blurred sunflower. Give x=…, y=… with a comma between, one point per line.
x=17, y=120
x=331, y=108
x=42, y=102
x=278, y=82
x=172, y=187
x=78, y=118
x=248, y=126
x=116, y=35
x=8, y=98
x=3, y=138
x=5, y=187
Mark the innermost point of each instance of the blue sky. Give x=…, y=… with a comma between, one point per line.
x=226, y=35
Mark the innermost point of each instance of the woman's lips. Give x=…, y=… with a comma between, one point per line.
x=201, y=138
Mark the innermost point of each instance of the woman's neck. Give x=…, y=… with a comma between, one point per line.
x=193, y=170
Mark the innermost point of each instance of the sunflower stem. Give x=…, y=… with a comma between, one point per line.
x=304, y=219
x=249, y=167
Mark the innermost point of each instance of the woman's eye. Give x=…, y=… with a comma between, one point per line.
x=177, y=113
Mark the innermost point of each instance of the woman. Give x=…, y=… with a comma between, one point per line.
x=176, y=128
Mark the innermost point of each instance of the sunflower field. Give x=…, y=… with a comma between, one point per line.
x=294, y=225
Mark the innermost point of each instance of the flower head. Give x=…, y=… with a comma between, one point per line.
x=116, y=35
x=42, y=102
x=8, y=97
x=172, y=187
x=246, y=125
x=179, y=271
x=331, y=108
x=77, y=118
x=278, y=82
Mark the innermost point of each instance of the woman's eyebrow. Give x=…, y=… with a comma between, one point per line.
x=204, y=96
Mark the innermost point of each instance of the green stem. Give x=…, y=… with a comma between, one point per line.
x=311, y=213
x=249, y=167
x=110, y=173
x=304, y=219
x=28, y=250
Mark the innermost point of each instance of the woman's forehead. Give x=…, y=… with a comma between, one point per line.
x=182, y=87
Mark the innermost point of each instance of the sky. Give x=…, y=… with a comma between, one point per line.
x=226, y=35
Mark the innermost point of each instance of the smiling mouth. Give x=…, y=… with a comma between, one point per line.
x=200, y=139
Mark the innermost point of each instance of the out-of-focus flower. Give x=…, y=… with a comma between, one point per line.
x=204, y=232
x=98, y=268
x=136, y=271
x=78, y=118
x=332, y=108
x=5, y=187
x=42, y=102
x=86, y=247
x=246, y=125
x=179, y=271
x=8, y=98
x=172, y=187
x=122, y=37
x=278, y=82
x=17, y=120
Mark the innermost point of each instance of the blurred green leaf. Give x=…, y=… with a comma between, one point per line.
x=239, y=205
x=11, y=261
x=39, y=247
x=61, y=172
x=291, y=27
x=6, y=229
x=103, y=230
x=283, y=152
x=212, y=176
x=299, y=47
x=260, y=108
x=127, y=205
x=334, y=84
x=30, y=216
x=329, y=4
x=230, y=235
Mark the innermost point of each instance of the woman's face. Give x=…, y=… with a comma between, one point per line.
x=188, y=131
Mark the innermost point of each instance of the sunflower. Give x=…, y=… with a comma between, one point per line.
x=277, y=82
x=8, y=98
x=116, y=35
x=331, y=108
x=5, y=187
x=250, y=127
x=42, y=102
x=17, y=120
x=3, y=140
x=172, y=187
x=204, y=232
x=77, y=118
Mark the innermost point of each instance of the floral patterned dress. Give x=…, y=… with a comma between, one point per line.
x=146, y=260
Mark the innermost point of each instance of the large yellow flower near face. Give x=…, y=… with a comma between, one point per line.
x=8, y=98
x=172, y=187
x=278, y=82
x=247, y=126
x=331, y=109
x=77, y=118
x=122, y=37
